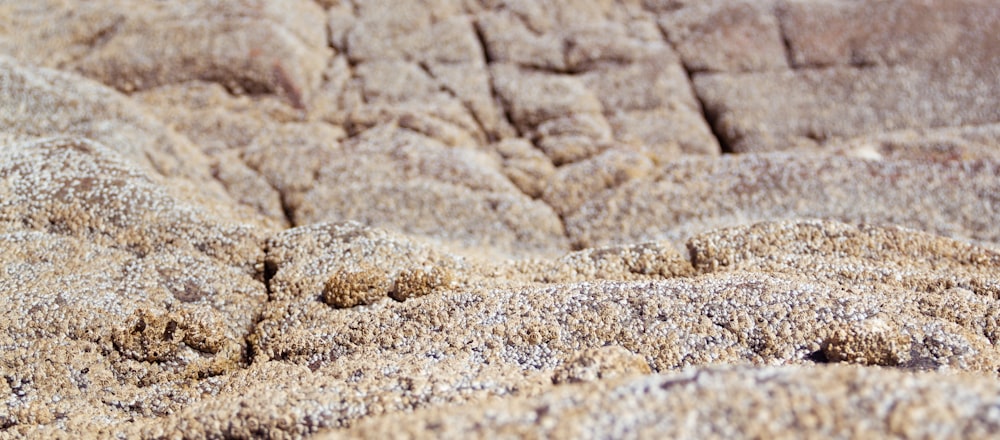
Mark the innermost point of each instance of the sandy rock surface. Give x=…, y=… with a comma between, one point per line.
x=837, y=402
x=465, y=218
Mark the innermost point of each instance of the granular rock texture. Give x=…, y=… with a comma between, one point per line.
x=954, y=198
x=119, y=292
x=841, y=402
x=471, y=218
x=248, y=46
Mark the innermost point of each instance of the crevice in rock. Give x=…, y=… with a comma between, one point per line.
x=818, y=356
x=286, y=207
x=493, y=89
x=268, y=269
x=680, y=382
x=574, y=244
x=509, y=119
x=707, y=115
x=234, y=195
x=710, y=116
x=786, y=43
x=94, y=42
x=249, y=352
x=692, y=256
x=487, y=59
x=489, y=137
x=104, y=34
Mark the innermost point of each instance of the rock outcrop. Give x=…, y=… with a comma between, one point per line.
x=463, y=218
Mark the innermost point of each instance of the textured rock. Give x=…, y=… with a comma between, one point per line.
x=726, y=36
x=643, y=261
x=890, y=32
x=306, y=261
x=950, y=144
x=253, y=47
x=600, y=363
x=470, y=218
x=779, y=111
x=302, y=173
x=831, y=402
x=433, y=32
x=649, y=102
x=42, y=103
x=133, y=291
x=642, y=92
x=940, y=271
x=849, y=254
x=536, y=98
x=409, y=183
x=777, y=75
x=687, y=197
x=264, y=154
x=498, y=340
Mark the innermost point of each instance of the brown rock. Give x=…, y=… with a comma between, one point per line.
x=851, y=254
x=950, y=144
x=348, y=289
x=726, y=36
x=600, y=364
x=130, y=285
x=870, y=342
x=650, y=102
x=263, y=153
x=888, y=32
x=348, y=264
x=644, y=261
x=695, y=195
x=470, y=83
x=572, y=185
x=508, y=39
x=528, y=334
x=563, y=36
x=411, y=283
x=651, y=79
x=430, y=34
x=805, y=108
x=256, y=47
x=421, y=186
x=667, y=134
x=533, y=98
x=941, y=272
x=486, y=205
x=768, y=402
x=44, y=103
x=525, y=166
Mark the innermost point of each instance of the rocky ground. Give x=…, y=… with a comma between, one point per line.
x=461, y=218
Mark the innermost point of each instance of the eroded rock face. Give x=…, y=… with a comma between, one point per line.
x=539, y=330
x=119, y=293
x=41, y=103
x=469, y=218
x=946, y=197
x=851, y=255
x=858, y=101
x=412, y=184
x=252, y=47
x=718, y=402
x=893, y=32
x=874, y=66
x=726, y=35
